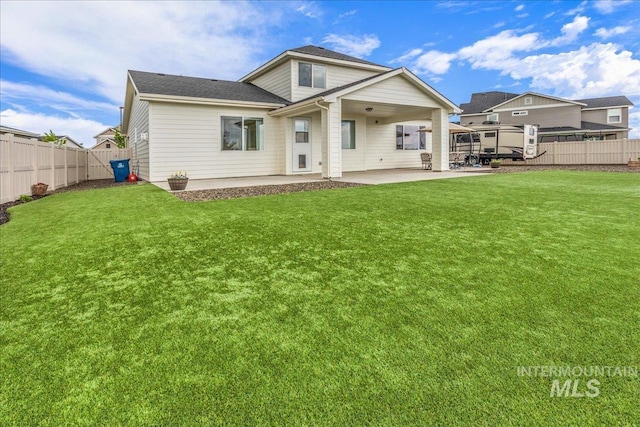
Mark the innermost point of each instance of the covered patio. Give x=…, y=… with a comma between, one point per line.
x=372, y=177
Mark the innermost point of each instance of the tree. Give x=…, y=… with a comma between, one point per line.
x=120, y=139
x=53, y=138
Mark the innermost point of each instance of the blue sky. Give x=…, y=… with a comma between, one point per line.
x=63, y=64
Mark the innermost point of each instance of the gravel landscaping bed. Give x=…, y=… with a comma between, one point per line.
x=261, y=190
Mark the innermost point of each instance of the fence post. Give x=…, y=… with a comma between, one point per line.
x=34, y=160
x=586, y=152
x=555, y=144
x=12, y=192
x=52, y=155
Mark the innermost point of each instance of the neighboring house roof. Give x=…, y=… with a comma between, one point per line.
x=606, y=102
x=196, y=87
x=482, y=101
x=7, y=129
x=584, y=126
x=530, y=94
x=108, y=130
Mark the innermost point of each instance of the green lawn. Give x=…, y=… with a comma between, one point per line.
x=404, y=304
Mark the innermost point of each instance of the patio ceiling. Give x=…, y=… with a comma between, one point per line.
x=386, y=113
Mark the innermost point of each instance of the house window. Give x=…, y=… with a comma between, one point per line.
x=348, y=135
x=312, y=75
x=528, y=100
x=492, y=117
x=107, y=145
x=408, y=138
x=614, y=115
x=242, y=134
x=519, y=113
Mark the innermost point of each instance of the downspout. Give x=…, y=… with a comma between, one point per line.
x=317, y=104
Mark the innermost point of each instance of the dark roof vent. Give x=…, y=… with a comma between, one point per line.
x=161, y=74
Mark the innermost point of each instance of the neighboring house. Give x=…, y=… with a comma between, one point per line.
x=558, y=119
x=105, y=139
x=308, y=110
x=70, y=142
x=18, y=132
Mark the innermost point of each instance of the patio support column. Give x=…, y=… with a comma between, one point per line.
x=332, y=140
x=440, y=139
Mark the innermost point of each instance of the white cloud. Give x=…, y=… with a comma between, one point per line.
x=590, y=71
x=310, y=10
x=349, y=13
x=607, y=33
x=81, y=130
x=496, y=52
x=353, y=45
x=608, y=6
x=519, y=7
x=549, y=15
x=19, y=93
x=434, y=62
x=407, y=56
x=572, y=30
x=92, y=44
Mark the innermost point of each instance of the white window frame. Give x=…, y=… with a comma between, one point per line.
x=422, y=139
x=611, y=112
x=528, y=100
x=489, y=117
x=520, y=113
x=314, y=69
x=352, y=145
x=243, y=142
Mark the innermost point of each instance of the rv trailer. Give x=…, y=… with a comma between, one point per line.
x=495, y=141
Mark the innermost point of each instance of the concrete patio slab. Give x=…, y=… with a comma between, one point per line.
x=373, y=177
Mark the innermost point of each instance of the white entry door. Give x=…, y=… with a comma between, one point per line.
x=302, y=145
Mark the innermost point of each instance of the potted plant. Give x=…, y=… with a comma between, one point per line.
x=495, y=163
x=178, y=181
x=39, y=189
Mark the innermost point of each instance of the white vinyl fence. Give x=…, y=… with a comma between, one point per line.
x=611, y=152
x=99, y=166
x=24, y=162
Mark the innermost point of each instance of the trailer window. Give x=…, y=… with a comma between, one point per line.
x=489, y=134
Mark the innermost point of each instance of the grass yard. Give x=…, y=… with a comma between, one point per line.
x=404, y=304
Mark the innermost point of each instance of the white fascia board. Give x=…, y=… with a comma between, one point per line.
x=605, y=108
x=568, y=101
x=527, y=107
x=206, y=101
x=291, y=109
x=418, y=82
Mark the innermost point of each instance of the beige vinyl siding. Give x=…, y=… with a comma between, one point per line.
x=381, y=150
x=600, y=116
x=395, y=90
x=187, y=138
x=354, y=160
x=336, y=76
x=537, y=101
x=545, y=117
x=138, y=124
x=277, y=81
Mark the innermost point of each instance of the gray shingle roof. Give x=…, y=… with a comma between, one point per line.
x=484, y=100
x=196, y=87
x=326, y=53
x=584, y=126
x=607, y=101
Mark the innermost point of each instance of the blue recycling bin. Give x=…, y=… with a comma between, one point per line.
x=120, y=169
